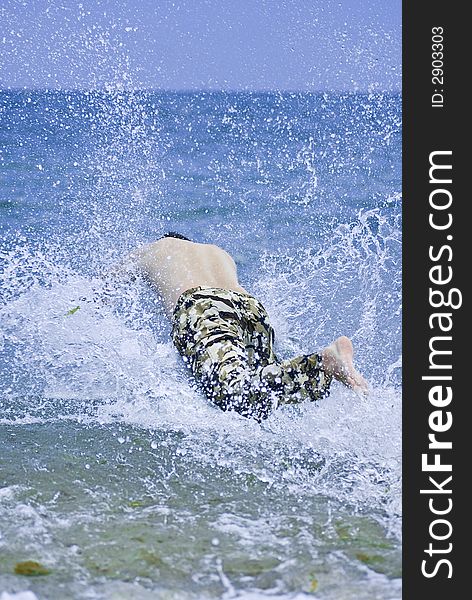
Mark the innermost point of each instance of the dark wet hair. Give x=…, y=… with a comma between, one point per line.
x=173, y=234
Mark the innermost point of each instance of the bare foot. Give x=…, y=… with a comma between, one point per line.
x=337, y=361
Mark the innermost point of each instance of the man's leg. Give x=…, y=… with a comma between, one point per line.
x=295, y=380
x=227, y=340
x=225, y=376
x=220, y=364
x=209, y=333
x=308, y=377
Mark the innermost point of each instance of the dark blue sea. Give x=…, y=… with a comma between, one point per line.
x=116, y=474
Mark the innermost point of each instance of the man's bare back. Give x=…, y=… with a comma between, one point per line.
x=173, y=266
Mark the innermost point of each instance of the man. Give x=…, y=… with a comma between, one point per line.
x=224, y=334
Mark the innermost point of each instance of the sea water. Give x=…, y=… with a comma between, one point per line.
x=116, y=474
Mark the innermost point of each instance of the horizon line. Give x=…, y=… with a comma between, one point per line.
x=202, y=90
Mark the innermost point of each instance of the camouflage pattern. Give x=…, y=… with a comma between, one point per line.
x=227, y=341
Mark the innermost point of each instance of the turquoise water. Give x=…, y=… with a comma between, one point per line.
x=115, y=473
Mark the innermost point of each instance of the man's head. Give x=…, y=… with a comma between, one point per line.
x=176, y=235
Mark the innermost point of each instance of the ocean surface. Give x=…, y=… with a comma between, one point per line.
x=116, y=474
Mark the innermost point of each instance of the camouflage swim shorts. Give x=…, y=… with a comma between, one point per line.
x=227, y=341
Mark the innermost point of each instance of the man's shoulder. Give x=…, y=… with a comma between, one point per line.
x=182, y=248
x=185, y=245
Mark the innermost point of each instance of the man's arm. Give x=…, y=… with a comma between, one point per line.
x=123, y=272
x=126, y=270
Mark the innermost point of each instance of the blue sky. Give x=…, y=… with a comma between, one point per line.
x=201, y=44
